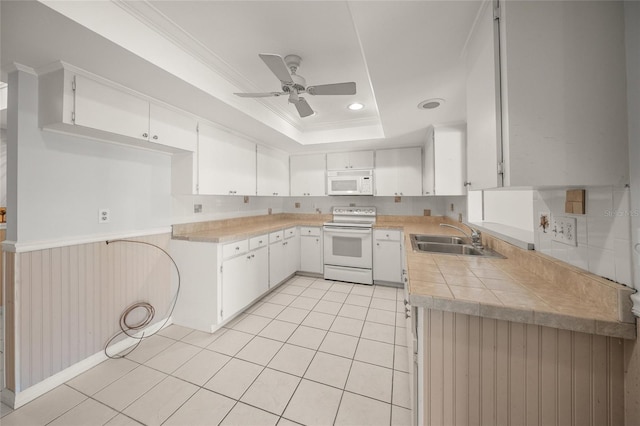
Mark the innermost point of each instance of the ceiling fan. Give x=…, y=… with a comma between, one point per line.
x=294, y=84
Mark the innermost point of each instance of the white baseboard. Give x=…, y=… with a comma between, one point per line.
x=18, y=399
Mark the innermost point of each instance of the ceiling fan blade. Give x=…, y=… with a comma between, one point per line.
x=259, y=95
x=303, y=108
x=277, y=66
x=333, y=89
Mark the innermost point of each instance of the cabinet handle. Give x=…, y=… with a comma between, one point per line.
x=248, y=257
x=467, y=184
x=378, y=244
x=260, y=242
x=237, y=248
x=145, y=135
x=253, y=255
x=155, y=137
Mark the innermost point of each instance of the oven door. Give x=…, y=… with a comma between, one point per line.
x=351, y=247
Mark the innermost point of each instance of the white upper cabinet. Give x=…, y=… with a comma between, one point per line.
x=563, y=115
x=445, y=161
x=226, y=163
x=273, y=172
x=308, y=175
x=398, y=172
x=564, y=80
x=484, y=145
x=350, y=160
x=73, y=102
x=169, y=127
x=101, y=107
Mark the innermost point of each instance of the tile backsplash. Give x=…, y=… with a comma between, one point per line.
x=603, y=233
x=216, y=207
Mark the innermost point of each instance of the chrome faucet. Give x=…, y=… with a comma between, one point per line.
x=475, y=237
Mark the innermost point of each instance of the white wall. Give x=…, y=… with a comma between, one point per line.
x=603, y=233
x=57, y=183
x=509, y=207
x=216, y=207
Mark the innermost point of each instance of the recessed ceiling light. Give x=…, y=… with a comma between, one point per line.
x=431, y=103
x=355, y=106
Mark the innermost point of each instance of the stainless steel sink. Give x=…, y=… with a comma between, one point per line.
x=445, y=239
x=454, y=247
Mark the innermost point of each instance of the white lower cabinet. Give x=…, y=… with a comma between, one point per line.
x=387, y=255
x=217, y=281
x=311, y=255
x=291, y=252
x=284, y=255
x=244, y=276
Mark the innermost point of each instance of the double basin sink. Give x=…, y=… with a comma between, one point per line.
x=446, y=244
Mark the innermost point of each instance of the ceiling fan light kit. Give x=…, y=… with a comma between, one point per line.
x=293, y=84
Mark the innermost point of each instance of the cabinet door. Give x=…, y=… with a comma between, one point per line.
x=409, y=170
x=338, y=161
x=361, y=160
x=308, y=175
x=450, y=161
x=311, y=254
x=386, y=175
x=234, y=279
x=350, y=160
x=387, y=261
x=399, y=172
x=484, y=144
x=272, y=172
x=276, y=263
x=258, y=271
x=226, y=163
x=170, y=128
x=101, y=107
x=291, y=255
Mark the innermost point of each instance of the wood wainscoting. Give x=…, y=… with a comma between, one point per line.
x=64, y=303
x=480, y=371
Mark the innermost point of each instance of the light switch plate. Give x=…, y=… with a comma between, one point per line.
x=564, y=230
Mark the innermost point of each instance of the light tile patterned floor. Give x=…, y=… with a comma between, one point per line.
x=312, y=352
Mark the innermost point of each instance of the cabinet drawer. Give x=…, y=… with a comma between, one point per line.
x=386, y=234
x=289, y=232
x=312, y=231
x=259, y=241
x=276, y=236
x=233, y=249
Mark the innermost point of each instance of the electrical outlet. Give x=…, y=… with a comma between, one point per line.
x=197, y=208
x=104, y=216
x=564, y=230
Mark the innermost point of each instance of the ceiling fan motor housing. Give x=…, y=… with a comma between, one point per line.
x=299, y=83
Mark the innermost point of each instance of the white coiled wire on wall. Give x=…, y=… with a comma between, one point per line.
x=128, y=328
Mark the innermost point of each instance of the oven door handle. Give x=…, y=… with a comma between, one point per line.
x=347, y=231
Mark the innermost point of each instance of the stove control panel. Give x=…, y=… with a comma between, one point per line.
x=354, y=211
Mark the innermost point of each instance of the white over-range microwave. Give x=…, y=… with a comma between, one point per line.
x=350, y=182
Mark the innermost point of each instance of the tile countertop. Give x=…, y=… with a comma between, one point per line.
x=223, y=231
x=526, y=287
